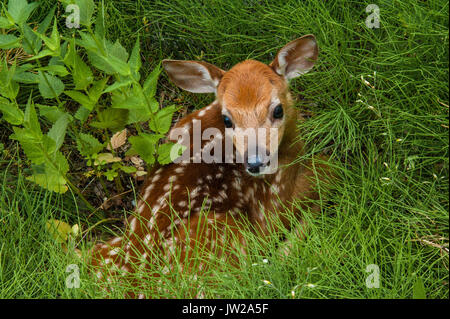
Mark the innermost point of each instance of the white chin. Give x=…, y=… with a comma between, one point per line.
x=265, y=171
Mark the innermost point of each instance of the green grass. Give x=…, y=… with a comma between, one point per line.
x=388, y=145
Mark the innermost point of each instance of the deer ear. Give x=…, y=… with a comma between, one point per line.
x=296, y=58
x=194, y=76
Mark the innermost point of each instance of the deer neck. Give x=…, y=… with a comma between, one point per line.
x=291, y=146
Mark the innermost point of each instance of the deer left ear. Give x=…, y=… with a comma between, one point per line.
x=194, y=76
x=296, y=58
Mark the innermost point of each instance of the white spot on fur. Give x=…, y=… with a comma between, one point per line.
x=223, y=194
x=179, y=170
x=114, y=251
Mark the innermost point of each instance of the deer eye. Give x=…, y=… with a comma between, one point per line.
x=278, y=112
x=227, y=121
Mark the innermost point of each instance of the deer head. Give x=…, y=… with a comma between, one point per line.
x=254, y=98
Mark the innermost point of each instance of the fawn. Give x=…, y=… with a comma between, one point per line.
x=238, y=184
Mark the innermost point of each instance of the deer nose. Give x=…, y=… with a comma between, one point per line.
x=253, y=164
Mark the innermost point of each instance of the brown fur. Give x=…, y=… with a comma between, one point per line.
x=227, y=194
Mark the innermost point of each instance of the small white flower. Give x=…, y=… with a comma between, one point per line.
x=265, y=261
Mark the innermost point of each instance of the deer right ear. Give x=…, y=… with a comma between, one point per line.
x=296, y=58
x=194, y=76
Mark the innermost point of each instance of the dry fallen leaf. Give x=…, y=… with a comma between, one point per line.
x=105, y=158
x=117, y=140
x=137, y=161
x=140, y=173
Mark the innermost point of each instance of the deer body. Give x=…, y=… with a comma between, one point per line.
x=192, y=205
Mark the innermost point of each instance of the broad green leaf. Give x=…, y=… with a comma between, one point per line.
x=56, y=40
x=50, y=86
x=26, y=77
x=114, y=119
x=82, y=74
x=40, y=55
x=109, y=64
x=8, y=87
x=127, y=98
x=82, y=114
x=88, y=145
x=9, y=41
x=419, y=289
x=58, y=130
x=52, y=182
x=100, y=21
x=162, y=120
x=51, y=113
x=87, y=8
x=5, y=23
x=32, y=43
x=117, y=85
x=135, y=61
x=51, y=174
x=11, y=112
x=55, y=69
x=97, y=88
x=43, y=26
x=20, y=10
x=81, y=98
x=53, y=42
x=36, y=149
x=111, y=59
x=164, y=153
x=69, y=57
x=118, y=51
x=149, y=88
x=90, y=43
x=31, y=120
x=140, y=115
x=144, y=145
